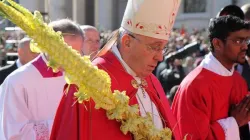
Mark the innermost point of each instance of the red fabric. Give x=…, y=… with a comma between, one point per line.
x=202, y=99
x=83, y=122
x=44, y=70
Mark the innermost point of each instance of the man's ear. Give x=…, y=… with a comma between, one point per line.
x=125, y=41
x=218, y=44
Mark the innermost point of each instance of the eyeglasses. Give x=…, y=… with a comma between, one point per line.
x=155, y=49
x=92, y=41
x=240, y=41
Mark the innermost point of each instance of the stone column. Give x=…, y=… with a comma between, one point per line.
x=104, y=14
x=219, y=4
x=79, y=11
x=121, y=6
x=33, y=5
x=242, y=2
x=59, y=9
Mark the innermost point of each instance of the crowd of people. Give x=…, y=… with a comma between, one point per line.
x=185, y=50
x=194, y=82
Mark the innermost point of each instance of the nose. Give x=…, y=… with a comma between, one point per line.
x=244, y=46
x=95, y=46
x=159, y=56
x=98, y=45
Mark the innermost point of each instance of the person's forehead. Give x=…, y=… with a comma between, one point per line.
x=92, y=33
x=73, y=39
x=151, y=39
x=244, y=33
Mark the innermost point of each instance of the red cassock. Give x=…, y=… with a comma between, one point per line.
x=83, y=122
x=202, y=99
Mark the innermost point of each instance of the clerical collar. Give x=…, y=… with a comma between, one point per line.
x=126, y=67
x=44, y=58
x=18, y=63
x=212, y=64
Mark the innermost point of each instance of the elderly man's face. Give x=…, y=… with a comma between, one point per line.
x=91, y=43
x=142, y=53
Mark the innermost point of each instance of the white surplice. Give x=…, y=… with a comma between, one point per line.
x=29, y=98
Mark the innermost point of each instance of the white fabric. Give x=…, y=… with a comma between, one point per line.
x=212, y=64
x=249, y=126
x=229, y=124
x=231, y=128
x=150, y=18
x=145, y=104
x=18, y=63
x=240, y=68
x=28, y=104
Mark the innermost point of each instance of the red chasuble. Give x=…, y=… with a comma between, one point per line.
x=202, y=99
x=83, y=122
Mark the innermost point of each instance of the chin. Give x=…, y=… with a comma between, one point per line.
x=145, y=74
x=93, y=54
x=242, y=61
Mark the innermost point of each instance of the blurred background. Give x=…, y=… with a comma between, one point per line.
x=107, y=14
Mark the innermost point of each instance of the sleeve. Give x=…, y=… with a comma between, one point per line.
x=239, y=91
x=230, y=128
x=65, y=126
x=249, y=126
x=16, y=119
x=192, y=108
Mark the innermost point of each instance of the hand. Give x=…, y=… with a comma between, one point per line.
x=241, y=112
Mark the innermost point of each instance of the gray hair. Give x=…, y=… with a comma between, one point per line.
x=86, y=28
x=115, y=37
x=66, y=26
x=23, y=42
x=122, y=32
